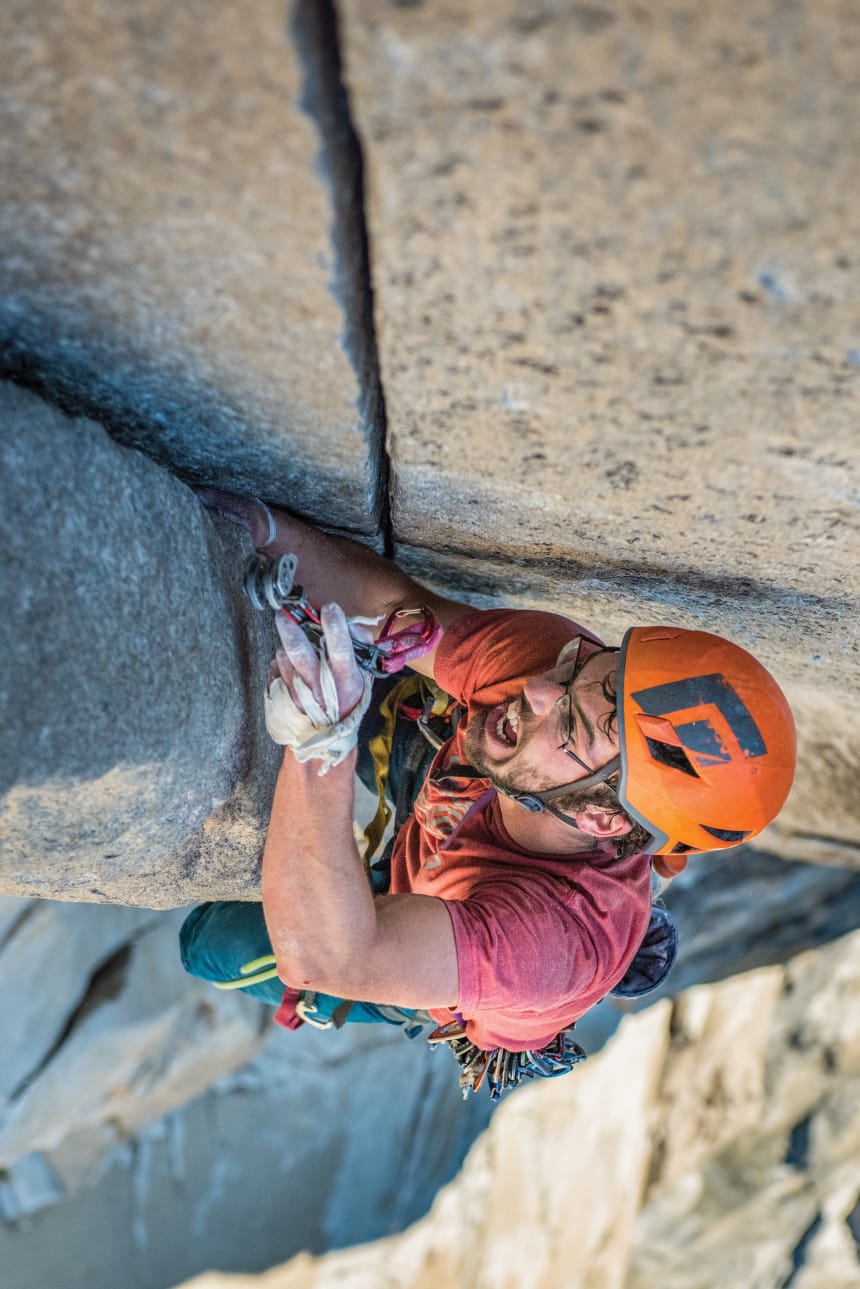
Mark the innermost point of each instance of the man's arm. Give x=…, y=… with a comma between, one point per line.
x=327, y=930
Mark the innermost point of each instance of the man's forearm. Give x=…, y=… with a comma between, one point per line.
x=317, y=902
x=328, y=932
x=343, y=571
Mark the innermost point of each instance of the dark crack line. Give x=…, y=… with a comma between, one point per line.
x=799, y=1146
x=15, y=926
x=510, y=571
x=852, y=1221
x=84, y=389
x=800, y=1252
x=104, y=984
x=325, y=99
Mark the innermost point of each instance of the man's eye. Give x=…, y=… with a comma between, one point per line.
x=566, y=716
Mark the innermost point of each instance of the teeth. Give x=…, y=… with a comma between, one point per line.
x=510, y=717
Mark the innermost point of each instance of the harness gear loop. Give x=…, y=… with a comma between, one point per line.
x=308, y=1011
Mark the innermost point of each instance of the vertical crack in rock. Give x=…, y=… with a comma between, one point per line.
x=325, y=99
x=105, y=983
x=852, y=1221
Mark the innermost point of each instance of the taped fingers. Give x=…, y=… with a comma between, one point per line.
x=282, y=669
x=336, y=628
x=282, y=674
x=315, y=702
x=345, y=671
x=300, y=653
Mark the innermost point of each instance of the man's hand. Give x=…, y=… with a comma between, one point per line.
x=314, y=703
x=298, y=657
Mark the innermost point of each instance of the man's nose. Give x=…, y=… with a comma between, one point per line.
x=541, y=694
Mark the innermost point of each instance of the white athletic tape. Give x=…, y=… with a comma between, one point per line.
x=316, y=732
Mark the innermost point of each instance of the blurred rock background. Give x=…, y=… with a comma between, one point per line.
x=557, y=303
x=714, y=1142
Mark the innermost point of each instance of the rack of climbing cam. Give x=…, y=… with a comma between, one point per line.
x=502, y=1069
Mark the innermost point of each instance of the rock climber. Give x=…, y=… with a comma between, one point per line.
x=516, y=891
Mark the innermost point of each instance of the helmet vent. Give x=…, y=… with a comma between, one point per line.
x=675, y=757
x=681, y=848
x=725, y=834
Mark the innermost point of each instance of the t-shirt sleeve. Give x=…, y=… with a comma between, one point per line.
x=482, y=654
x=513, y=992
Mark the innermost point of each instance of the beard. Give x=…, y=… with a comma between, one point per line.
x=472, y=745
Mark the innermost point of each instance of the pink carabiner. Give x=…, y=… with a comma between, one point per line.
x=411, y=641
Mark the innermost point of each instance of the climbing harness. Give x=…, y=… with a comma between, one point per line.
x=271, y=584
x=502, y=1069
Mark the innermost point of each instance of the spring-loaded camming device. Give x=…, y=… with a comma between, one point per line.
x=270, y=584
x=502, y=1069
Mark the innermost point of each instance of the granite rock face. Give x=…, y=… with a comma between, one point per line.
x=612, y=264
x=56, y=949
x=615, y=274
x=757, y=1133
x=597, y=238
x=136, y=768
x=142, y=1153
x=748, y=908
x=182, y=253
x=615, y=282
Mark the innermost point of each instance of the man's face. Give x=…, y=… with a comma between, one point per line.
x=519, y=744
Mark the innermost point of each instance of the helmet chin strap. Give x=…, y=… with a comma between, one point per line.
x=537, y=802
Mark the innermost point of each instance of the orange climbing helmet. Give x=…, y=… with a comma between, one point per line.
x=708, y=745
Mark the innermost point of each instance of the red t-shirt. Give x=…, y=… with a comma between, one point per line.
x=540, y=938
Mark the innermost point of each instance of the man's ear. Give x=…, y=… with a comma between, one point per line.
x=595, y=821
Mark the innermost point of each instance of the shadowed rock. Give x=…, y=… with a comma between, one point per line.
x=135, y=765
x=181, y=253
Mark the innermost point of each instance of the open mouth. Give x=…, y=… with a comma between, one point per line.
x=503, y=725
